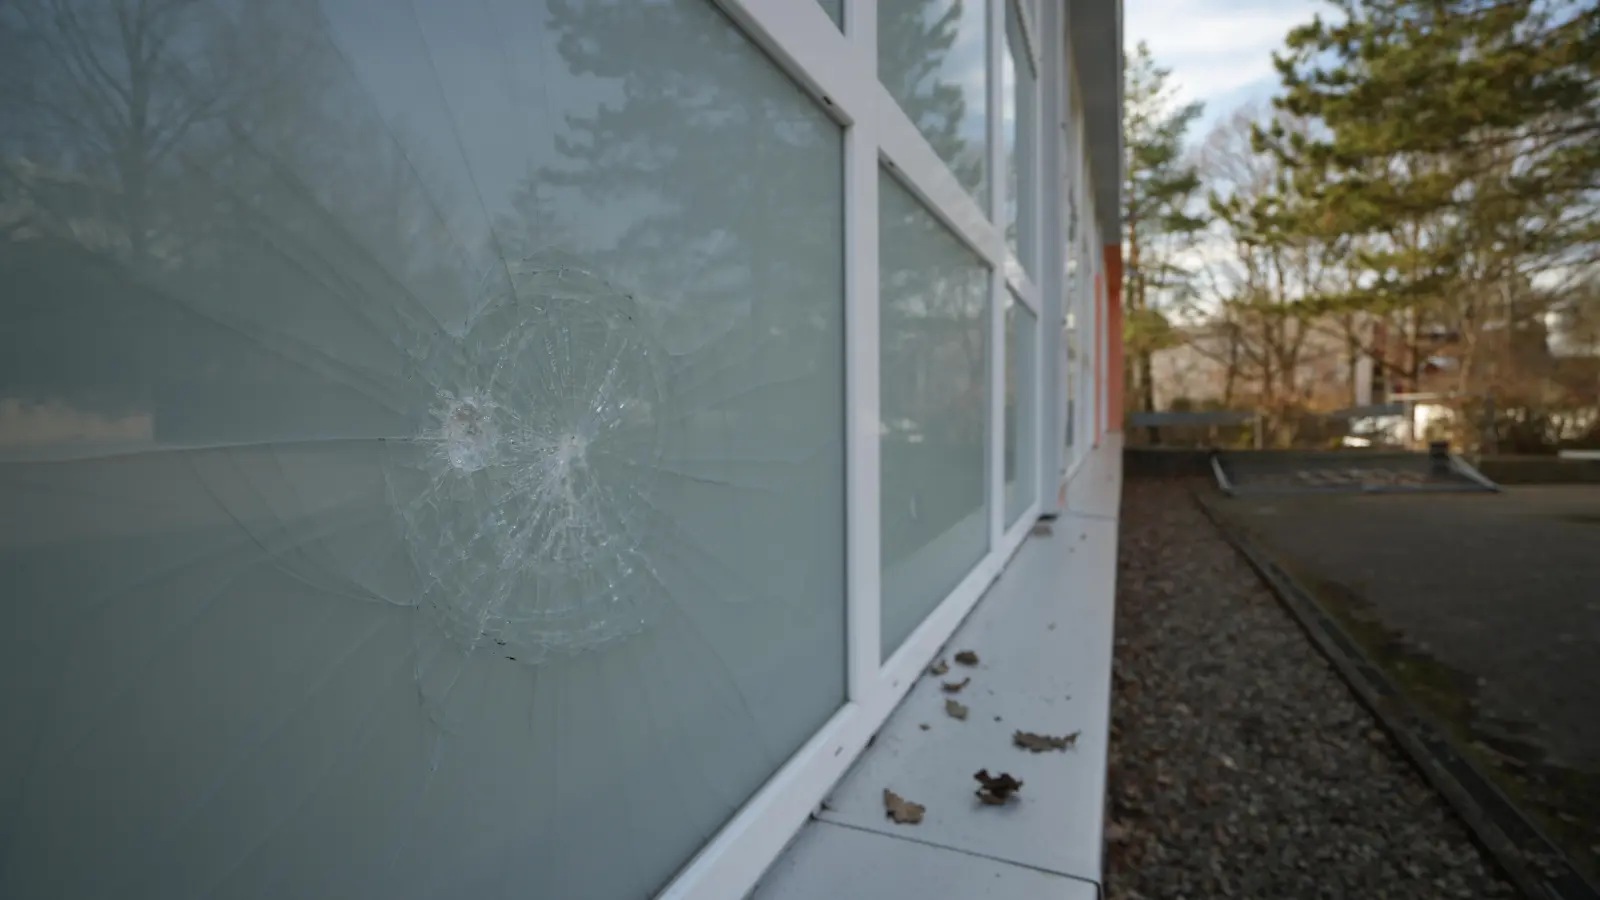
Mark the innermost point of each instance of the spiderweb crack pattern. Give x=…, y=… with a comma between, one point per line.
x=525, y=501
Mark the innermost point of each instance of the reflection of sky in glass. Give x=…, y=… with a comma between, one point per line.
x=931, y=58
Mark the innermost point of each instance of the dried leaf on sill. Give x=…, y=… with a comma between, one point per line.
x=996, y=789
x=967, y=658
x=1042, y=529
x=955, y=710
x=954, y=687
x=1039, y=743
x=939, y=668
x=902, y=811
x=924, y=726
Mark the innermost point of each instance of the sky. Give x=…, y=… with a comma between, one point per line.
x=1219, y=51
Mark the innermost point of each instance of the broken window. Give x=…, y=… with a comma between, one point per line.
x=421, y=444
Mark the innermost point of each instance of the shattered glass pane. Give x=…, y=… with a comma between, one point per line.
x=526, y=503
x=421, y=444
x=933, y=407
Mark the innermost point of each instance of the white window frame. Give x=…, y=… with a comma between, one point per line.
x=839, y=68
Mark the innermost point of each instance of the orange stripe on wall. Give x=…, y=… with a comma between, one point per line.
x=1114, y=369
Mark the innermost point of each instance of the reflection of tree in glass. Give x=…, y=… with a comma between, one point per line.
x=932, y=321
x=696, y=140
x=916, y=46
x=215, y=155
x=643, y=322
x=269, y=260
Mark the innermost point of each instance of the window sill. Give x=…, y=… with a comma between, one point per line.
x=1043, y=636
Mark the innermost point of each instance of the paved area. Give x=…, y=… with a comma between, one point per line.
x=1241, y=765
x=1485, y=609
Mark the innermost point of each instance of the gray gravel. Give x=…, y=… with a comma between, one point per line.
x=1241, y=766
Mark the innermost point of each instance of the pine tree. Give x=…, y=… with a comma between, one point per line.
x=1160, y=185
x=1456, y=139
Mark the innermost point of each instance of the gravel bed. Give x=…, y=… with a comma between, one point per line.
x=1241, y=766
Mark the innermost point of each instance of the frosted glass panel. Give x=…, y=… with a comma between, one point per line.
x=1019, y=121
x=1069, y=381
x=933, y=294
x=932, y=59
x=421, y=445
x=1021, y=419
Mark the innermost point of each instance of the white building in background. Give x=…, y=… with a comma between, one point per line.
x=529, y=449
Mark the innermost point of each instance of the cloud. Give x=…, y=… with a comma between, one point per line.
x=1215, y=47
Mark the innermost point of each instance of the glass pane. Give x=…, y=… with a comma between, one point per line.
x=834, y=9
x=421, y=445
x=1020, y=121
x=932, y=60
x=1071, y=302
x=1069, y=384
x=933, y=402
x=1021, y=420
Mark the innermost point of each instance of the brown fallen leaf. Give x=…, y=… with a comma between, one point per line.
x=996, y=789
x=967, y=658
x=1039, y=743
x=939, y=668
x=924, y=726
x=1042, y=529
x=955, y=710
x=954, y=687
x=902, y=811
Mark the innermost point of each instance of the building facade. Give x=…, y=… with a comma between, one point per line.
x=524, y=447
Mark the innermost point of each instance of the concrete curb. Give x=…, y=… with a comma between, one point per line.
x=1467, y=469
x=1222, y=477
x=1529, y=859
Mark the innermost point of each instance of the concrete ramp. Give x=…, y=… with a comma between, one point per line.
x=1344, y=471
